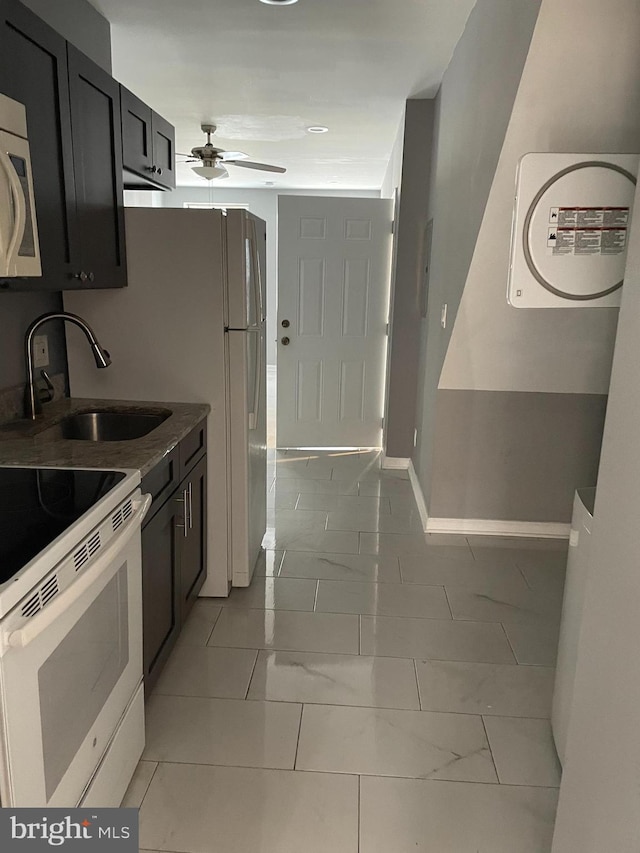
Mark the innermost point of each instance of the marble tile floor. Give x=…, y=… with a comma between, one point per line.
x=375, y=690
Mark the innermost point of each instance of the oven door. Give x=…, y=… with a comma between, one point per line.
x=69, y=672
x=19, y=249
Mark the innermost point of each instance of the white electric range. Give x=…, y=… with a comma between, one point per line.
x=71, y=700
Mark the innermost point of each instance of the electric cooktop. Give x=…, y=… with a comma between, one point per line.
x=38, y=504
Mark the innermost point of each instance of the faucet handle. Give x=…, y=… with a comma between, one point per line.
x=49, y=391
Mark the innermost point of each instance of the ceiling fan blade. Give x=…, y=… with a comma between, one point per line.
x=263, y=167
x=178, y=154
x=231, y=155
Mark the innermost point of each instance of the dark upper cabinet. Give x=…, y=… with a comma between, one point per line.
x=33, y=70
x=97, y=162
x=76, y=129
x=148, y=143
x=164, y=151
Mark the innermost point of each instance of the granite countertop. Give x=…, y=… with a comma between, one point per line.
x=23, y=443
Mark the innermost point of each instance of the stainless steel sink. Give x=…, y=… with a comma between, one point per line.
x=106, y=425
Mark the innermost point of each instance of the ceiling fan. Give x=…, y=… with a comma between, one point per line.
x=212, y=161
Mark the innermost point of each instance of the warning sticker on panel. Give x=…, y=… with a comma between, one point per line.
x=587, y=230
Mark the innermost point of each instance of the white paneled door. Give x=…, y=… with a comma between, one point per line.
x=333, y=306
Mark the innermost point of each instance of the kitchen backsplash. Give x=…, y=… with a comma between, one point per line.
x=17, y=312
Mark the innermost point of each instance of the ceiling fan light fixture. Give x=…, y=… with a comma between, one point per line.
x=317, y=128
x=279, y=2
x=210, y=173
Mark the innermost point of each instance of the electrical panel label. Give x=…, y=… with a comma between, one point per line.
x=587, y=230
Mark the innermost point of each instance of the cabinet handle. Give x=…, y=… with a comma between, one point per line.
x=82, y=276
x=190, y=495
x=152, y=169
x=159, y=170
x=91, y=277
x=184, y=500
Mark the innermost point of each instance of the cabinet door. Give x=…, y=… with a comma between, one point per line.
x=164, y=151
x=33, y=71
x=137, y=137
x=97, y=158
x=193, y=555
x=161, y=544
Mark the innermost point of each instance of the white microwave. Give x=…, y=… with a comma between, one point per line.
x=19, y=248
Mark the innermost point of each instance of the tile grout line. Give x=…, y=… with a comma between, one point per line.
x=359, y=812
x=355, y=774
x=407, y=657
x=213, y=627
x=146, y=790
x=454, y=619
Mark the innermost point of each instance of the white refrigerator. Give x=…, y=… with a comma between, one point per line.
x=190, y=327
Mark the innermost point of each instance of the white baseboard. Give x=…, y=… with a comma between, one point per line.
x=395, y=463
x=496, y=527
x=419, y=496
x=482, y=526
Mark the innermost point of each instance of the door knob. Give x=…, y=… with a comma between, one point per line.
x=285, y=341
x=285, y=324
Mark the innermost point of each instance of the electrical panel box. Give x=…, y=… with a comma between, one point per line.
x=571, y=227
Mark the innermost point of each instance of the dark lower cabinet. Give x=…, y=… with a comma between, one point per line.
x=160, y=591
x=193, y=553
x=174, y=553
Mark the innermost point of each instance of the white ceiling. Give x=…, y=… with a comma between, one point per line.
x=264, y=73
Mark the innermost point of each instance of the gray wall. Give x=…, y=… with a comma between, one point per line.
x=17, y=310
x=472, y=114
x=79, y=22
x=410, y=222
x=496, y=348
x=493, y=471
x=599, y=796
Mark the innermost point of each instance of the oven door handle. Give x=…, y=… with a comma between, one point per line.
x=58, y=605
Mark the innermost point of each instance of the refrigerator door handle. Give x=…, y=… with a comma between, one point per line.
x=257, y=385
x=256, y=274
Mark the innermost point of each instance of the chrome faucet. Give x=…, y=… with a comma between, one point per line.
x=102, y=357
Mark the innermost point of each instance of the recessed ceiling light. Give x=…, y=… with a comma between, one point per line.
x=317, y=128
x=279, y=2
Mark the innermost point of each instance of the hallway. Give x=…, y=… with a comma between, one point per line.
x=375, y=690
